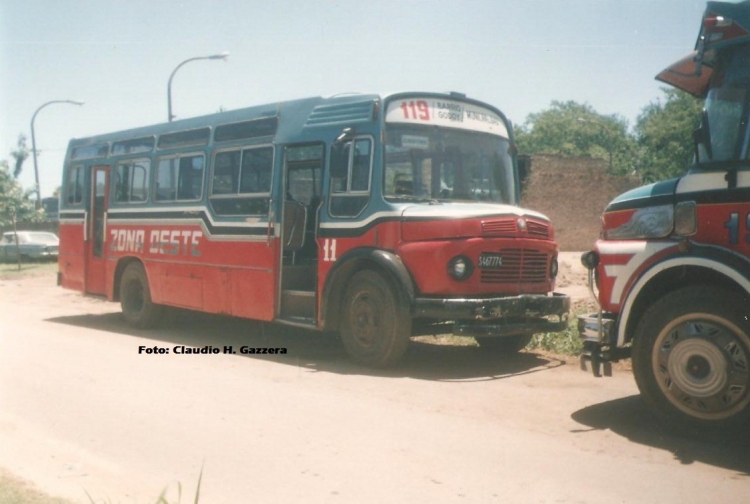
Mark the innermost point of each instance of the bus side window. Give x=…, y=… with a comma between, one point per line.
x=350, y=188
x=255, y=176
x=190, y=180
x=241, y=181
x=361, y=164
x=130, y=181
x=74, y=189
x=179, y=178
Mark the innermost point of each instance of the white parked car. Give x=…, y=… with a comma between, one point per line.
x=36, y=245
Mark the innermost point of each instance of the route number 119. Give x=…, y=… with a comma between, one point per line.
x=416, y=109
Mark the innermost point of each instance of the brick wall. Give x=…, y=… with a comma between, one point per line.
x=572, y=192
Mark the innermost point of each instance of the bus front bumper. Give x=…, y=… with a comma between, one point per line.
x=498, y=316
x=598, y=332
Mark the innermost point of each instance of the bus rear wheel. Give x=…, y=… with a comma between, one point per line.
x=375, y=327
x=691, y=359
x=135, y=298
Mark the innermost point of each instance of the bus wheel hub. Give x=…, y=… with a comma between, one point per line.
x=697, y=367
x=702, y=367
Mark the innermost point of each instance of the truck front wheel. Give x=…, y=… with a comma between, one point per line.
x=691, y=358
x=375, y=325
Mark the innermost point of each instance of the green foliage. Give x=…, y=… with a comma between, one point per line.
x=162, y=499
x=574, y=129
x=660, y=146
x=14, y=201
x=566, y=342
x=16, y=491
x=664, y=133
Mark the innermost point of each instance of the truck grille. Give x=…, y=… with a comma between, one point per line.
x=509, y=228
x=539, y=229
x=519, y=265
x=501, y=227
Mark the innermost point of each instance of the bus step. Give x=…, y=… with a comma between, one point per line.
x=297, y=303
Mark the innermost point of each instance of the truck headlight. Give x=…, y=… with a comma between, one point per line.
x=685, y=219
x=460, y=267
x=649, y=222
x=554, y=267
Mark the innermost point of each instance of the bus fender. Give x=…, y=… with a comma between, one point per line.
x=383, y=261
x=697, y=263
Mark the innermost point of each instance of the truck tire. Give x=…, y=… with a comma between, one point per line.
x=135, y=298
x=691, y=359
x=375, y=326
x=507, y=344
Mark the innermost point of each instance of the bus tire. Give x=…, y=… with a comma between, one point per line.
x=375, y=326
x=691, y=359
x=504, y=344
x=135, y=298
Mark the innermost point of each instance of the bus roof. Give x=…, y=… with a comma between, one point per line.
x=724, y=24
x=297, y=113
x=301, y=117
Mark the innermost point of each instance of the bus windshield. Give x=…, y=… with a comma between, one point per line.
x=727, y=107
x=428, y=163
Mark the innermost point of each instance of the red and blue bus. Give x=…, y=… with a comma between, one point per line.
x=673, y=262
x=379, y=217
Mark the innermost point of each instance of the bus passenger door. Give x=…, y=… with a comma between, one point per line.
x=303, y=169
x=96, y=231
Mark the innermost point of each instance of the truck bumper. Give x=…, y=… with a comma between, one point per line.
x=498, y=316
x=595, y=328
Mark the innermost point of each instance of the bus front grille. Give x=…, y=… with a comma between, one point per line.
x=519, y=265
x=510, y=227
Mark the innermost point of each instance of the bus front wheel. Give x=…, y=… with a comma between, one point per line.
x=135, y=298
x=375, y=327
x=691, y=359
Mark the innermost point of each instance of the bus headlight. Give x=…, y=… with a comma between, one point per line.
x=554, y=267
x=684, y=218
x=649, y=222
x=460, y=267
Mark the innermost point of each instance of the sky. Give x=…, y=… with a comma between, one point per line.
x=117, y=56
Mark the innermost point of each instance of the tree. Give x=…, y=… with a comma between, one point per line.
x=664, y=135
x=20, y=155
x=574, y=129
x=14, y=201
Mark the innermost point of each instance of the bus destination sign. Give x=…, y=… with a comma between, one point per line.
x=443, y=112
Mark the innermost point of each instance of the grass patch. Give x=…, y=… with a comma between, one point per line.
x=16, y=491
x=10, y=270
x=566, y=342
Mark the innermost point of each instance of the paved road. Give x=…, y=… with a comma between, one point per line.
x=82, y=411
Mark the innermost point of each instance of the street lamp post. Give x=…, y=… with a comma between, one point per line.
x=609, y=137
x=33, y=147
x=222, y=56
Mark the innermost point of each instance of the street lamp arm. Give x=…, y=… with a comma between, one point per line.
x=33, y=145
x=223, y=56
x=74, y=102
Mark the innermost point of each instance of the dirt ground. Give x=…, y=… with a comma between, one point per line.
x=572, y=280
x=83, y=412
